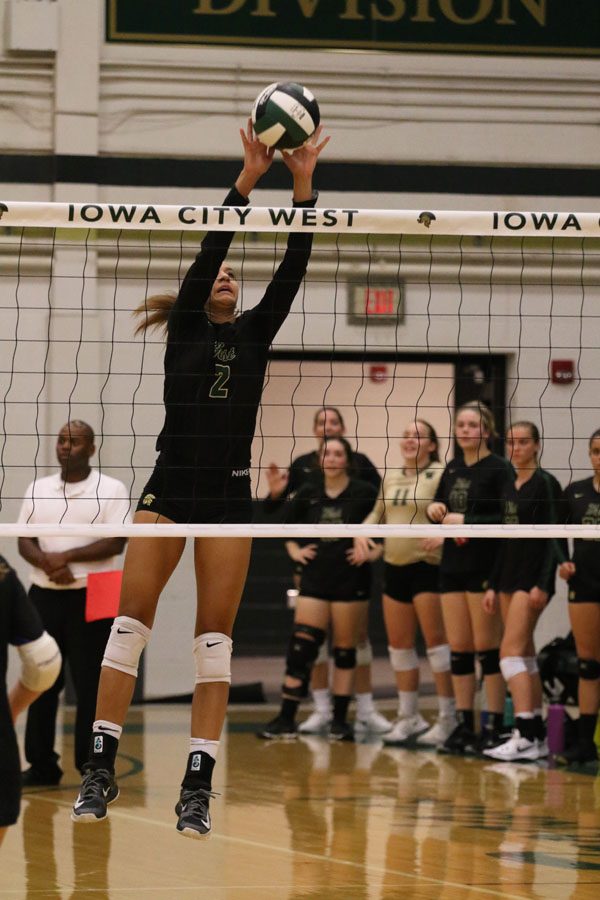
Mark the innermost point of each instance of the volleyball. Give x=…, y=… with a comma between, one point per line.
x=285, y=115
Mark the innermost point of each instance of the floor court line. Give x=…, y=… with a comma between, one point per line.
x=375, y=870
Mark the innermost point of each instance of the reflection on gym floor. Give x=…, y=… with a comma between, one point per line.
x=309, y=819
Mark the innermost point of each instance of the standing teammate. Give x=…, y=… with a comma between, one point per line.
x=411, y=594
x=214, y=369
x=77, y=495
x=21, y=626
x=470, y=492
x=328, y=422
x=582, y=571
x=334, y=587
x=524, y=577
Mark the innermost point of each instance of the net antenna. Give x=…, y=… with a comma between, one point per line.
x=517, y=286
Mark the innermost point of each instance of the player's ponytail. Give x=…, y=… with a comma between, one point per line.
x=154, y=312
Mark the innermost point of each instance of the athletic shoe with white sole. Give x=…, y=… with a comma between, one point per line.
x=278, y=729
x=317, y=723
x=406, y=728
x=438, y=733
x=373, y=723
x=543, y=749
x=516, y=747
x=341, y=731
x=98, y=789
x=194, y=817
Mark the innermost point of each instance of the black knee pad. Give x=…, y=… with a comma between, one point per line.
x=316, y=634
x=344, y=657
x=302, y=653
x=588, y=669
x=489, y=660
x=462, y=663
x=295, y=693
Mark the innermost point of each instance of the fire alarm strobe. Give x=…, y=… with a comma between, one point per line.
x=562, y=371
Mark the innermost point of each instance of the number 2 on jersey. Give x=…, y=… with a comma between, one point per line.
x=219, y=391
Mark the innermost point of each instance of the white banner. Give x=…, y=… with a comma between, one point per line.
x=283, y=219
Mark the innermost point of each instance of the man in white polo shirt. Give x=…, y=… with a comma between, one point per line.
x=77, y=495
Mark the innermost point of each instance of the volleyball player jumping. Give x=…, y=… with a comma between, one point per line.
x=215, y=362
x=524, y=577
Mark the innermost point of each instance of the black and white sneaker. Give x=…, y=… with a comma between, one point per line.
x=98, y=789
x=341, y=731
x=461, y=742
x=278, y=729
x=194, y=817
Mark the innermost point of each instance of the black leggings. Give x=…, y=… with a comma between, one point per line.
x=82, y=645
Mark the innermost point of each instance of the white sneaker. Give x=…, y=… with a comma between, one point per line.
x=516, y=747
x=439, y=732
x=315, y=724
x=373, y=722
x=405, y=728
x=543, y=749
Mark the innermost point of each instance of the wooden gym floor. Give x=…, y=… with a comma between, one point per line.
x=310, y=820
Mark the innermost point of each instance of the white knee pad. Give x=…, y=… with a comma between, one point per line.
x=212, y=655
x=127, y=639
x=531, y=665
x=323, y=656
x=40, y=663
x=403, y=660
x=439, y=658
x=364, y=654
x=511, y=666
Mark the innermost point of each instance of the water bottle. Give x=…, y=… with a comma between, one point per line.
x=509, y=712
x=555, y=724
x=597, y=736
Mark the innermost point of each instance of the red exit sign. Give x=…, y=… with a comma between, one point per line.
x=375, y=303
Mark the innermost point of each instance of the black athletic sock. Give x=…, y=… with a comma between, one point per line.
x=340, y=708
x=539, y=728
x=288, y=711
x=199, y=769
x=586, y=728
x=103, y=751
x=525, y=727
x=466, y=718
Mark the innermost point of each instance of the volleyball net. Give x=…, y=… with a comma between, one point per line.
x=403, y=314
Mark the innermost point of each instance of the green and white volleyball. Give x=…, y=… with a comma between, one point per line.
x=285, y=115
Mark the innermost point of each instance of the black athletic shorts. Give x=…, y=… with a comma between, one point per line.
x=462, y=582
x=10, y=774
x=188, y=495
x=402, y=583
x=335, y=598
x=581, y=591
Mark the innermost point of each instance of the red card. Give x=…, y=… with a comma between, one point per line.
x=102, y=597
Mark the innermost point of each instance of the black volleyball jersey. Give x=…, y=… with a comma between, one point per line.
x=305, y=468
x=330, y=573
x=582, y=507
x=475, y=491
x=523, y=563
x=214, y=372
